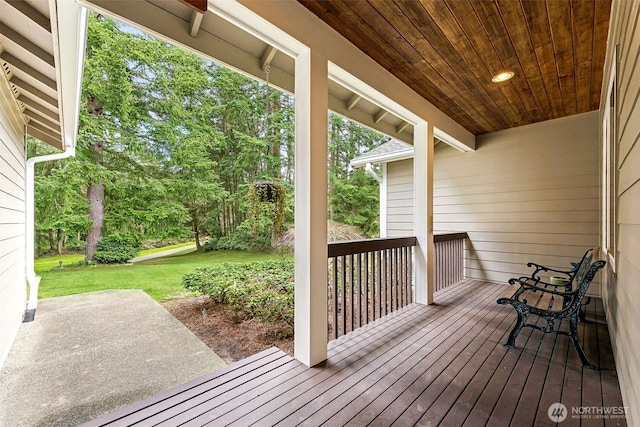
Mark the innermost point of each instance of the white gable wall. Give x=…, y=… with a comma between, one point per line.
x=399, y=198
x=12, y=223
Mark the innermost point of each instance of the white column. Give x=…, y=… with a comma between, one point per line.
x=311, y=109
x=383, y=202
x=423, y=211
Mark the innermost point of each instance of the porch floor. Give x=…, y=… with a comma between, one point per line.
x=443, y=364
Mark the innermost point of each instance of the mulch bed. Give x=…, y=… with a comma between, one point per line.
x=228, y=336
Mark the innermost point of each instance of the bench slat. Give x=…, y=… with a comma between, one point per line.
x=545, y=301
x=531, y=297
x=557, y=303
x=511, y=291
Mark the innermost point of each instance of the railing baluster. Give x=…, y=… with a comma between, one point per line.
x=366, y=288
x=373, y=286
x=369, y=280
x=379, y=283
x=343, y=303
x=335, y=297
x=359, y=264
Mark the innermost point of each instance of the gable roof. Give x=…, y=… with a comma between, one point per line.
x=391, y=151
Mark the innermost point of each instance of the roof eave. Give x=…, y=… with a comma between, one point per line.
x=69, y=29
x=382, y=158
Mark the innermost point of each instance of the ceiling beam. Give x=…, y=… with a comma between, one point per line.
x=402, y=126
x=27, y=45
x=27, y=69
x=31, y=13
x=267, y=56
x=47, y=101
x=196, y=21
x=353, y=101
x=165, y=25
x=337, y=105
x=380, y=115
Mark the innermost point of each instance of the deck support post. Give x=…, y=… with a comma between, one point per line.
x=311, y=109
x=423, y=211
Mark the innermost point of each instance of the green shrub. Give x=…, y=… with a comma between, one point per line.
x=239, y=240
x=116, y=249
x=259, y=289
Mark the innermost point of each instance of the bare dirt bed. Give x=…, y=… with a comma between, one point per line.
x=229, y=337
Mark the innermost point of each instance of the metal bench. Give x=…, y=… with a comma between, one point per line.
x=565, y=274
x=530, y=295
x=563, y=278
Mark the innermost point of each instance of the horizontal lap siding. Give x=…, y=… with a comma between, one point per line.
x=400, y=198
x=12, y=229
x=622, y=291
x=526, y=194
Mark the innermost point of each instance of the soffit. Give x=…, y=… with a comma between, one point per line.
x=448, y=51
x=27, y=59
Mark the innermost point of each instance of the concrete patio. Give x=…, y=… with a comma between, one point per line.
x=89, y=354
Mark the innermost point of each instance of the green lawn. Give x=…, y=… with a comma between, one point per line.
x=161, y=277
x=45, y=264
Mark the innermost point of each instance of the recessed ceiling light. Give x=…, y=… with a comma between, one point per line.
x=502, y=76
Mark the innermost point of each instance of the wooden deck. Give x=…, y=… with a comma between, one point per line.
x=443, y=364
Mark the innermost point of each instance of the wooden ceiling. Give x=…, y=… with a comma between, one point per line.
x=448, y=51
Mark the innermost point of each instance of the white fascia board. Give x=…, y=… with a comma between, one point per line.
x=256, y=25
x=383, y=158
x=447, y=139
x=69, y=29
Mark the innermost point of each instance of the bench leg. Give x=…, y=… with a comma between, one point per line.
x=523, y=314
x=573, y=326
x=582, y=313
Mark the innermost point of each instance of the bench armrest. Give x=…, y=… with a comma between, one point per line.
x=539, y=268
x=537, y=281
x=534, y=284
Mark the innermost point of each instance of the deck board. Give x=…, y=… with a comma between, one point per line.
x=443, y=364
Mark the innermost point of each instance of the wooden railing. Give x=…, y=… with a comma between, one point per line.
x=449, y=258
x=367, y=280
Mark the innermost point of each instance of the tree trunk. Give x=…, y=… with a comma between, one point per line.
x=95, y=191
x=60, y=243
x=52, y=241
x=95, y=195
x=196, y=233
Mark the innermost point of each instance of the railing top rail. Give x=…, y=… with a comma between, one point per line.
x=444, y=237
x=361, y=246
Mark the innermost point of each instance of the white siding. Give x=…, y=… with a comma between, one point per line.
x=622, y=291
x=527, y=194
x=12, y=227
x=400, y=198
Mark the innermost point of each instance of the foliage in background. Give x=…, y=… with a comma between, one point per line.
x=241, y=239
x=260, y=289
x=161, y=278
x=169, y=144
x=353, y=195
x=267, y=199
x=116, y=249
